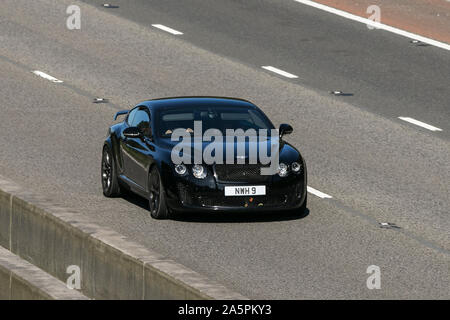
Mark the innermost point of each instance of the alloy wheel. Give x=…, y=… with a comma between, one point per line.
x=106, y=170
x=154, y=192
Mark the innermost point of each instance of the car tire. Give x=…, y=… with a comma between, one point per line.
x=110, y=183
x=157, y=196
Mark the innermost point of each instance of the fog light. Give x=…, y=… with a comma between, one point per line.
x=199, y=171
x=180, y=169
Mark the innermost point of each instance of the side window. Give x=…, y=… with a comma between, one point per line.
x=141, y=120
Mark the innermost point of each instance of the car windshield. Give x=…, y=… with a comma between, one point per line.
x=220, y=118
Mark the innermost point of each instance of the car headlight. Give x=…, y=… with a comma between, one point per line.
x=296, y=167
x=180, y=169
x=199, y=171
x=282, y=170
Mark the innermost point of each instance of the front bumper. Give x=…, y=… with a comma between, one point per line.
x=190, y=194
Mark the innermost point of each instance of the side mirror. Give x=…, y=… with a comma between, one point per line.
x=132, y=132
x=285, y=129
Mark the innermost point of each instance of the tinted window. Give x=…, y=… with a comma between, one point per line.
x=221, y=118
x=141, y=120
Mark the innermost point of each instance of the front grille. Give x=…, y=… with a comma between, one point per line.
x=240, y=173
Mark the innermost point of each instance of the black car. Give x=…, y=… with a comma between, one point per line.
x=137, y=156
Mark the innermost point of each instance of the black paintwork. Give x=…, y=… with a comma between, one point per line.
x=135, y=154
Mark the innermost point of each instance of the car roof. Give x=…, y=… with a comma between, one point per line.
x=198, y=102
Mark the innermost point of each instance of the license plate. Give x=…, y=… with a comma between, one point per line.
x=245, y=191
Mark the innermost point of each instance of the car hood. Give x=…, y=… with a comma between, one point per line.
x=287, y=152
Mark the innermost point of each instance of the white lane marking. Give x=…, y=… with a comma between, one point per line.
x=280, y=72
x=46, y=76
x=374, y=24
x=167, y=29
x=420, y=123
x=318, y=193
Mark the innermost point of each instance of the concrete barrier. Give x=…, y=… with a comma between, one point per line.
x=20, y=280
x=53, y=237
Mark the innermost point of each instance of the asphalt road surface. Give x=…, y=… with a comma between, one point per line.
x=376, y=167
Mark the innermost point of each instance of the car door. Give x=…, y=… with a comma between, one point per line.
x=137, y=153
